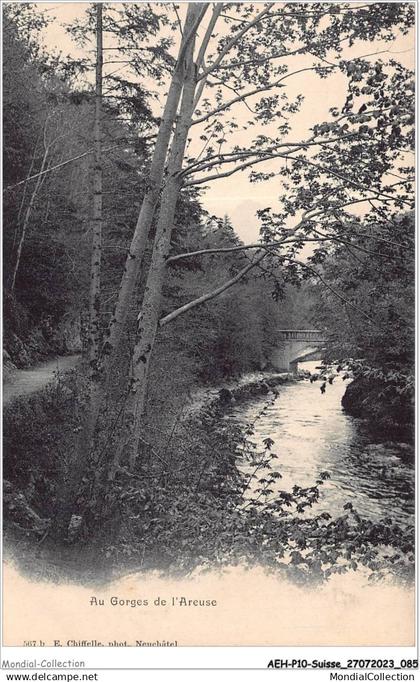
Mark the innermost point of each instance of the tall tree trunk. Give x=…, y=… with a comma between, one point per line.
x=149, y=316
x=111, y=345
x=76, y=467
x=195, y=13
x=25, y=187
x=27, y=217
x=96, y=221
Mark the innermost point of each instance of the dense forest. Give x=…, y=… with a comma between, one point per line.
x=110, y=253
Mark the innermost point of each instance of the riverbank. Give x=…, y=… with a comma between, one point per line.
x=40, y=418
x=387, y=410
x=228, y=393
x=197, y=472
x=187, y=504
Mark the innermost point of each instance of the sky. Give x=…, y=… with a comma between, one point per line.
x=236, y=196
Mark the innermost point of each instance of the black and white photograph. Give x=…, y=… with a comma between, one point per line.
x=209, y=325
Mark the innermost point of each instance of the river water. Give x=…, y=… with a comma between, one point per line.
x=312, y=434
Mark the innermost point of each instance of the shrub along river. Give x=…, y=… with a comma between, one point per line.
x=312, y=434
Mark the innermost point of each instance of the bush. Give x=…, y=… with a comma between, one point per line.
x=196, y=513
x=37, y=437
x=388, y=408
x=188, y=505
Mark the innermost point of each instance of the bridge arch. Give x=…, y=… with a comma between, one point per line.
x=297, y=345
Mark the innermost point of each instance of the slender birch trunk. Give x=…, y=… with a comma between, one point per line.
x=26, y=219
x=149, y=316
x=96, y=221
x=77, y=466
x=111, y=348
x=195, y=13
x=25, y=187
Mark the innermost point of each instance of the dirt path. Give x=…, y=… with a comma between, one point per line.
x=26, y=381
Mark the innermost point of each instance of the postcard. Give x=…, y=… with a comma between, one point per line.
x=208, y=333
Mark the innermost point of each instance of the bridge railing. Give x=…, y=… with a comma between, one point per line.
x=301, y=335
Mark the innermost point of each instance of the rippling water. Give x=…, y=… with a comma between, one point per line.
x=312, y=434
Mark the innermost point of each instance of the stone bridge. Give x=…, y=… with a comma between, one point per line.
x=297, y=345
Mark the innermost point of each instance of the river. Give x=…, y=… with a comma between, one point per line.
x=312, y=434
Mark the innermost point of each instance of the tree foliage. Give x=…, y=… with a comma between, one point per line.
x=371, y=329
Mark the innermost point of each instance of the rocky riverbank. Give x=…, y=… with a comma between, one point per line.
x=388, y=412
x=216, y=399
